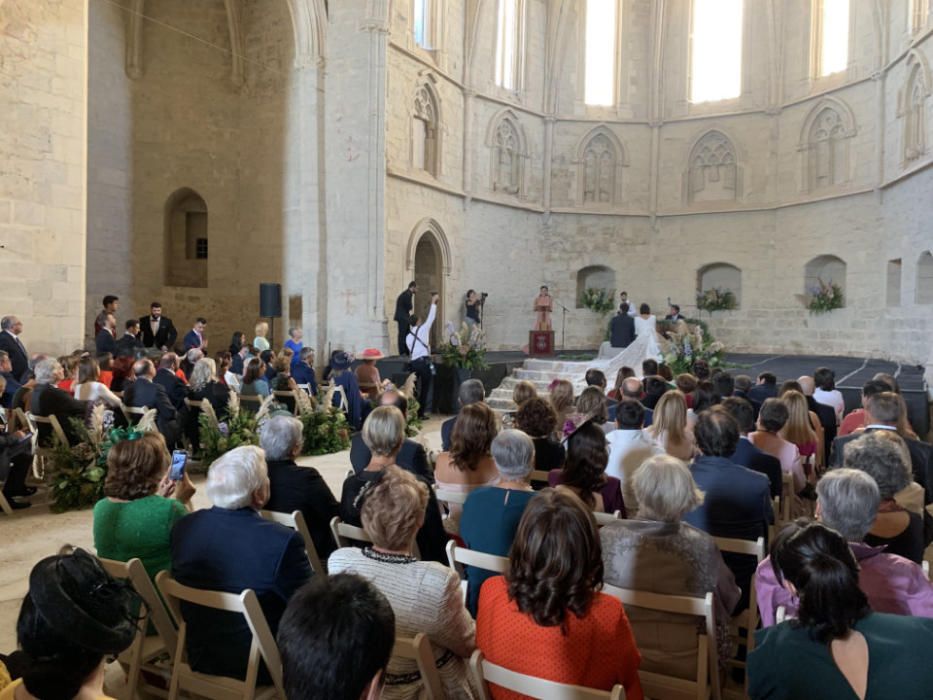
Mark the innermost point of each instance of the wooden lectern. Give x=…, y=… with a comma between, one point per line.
x=540, y=343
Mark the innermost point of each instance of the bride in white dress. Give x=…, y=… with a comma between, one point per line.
x=646, y=324
x=645, y=346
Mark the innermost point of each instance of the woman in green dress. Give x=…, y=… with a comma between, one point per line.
x=838, y=648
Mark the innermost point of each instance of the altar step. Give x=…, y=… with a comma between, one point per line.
x=540, y=373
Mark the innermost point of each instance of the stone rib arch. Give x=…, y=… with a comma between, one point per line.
x=508, y=147
x=825, y=145
x=425, y=226
x=600, y=157
x=712, y=172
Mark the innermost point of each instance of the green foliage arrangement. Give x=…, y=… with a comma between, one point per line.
x=465, y=347
x=412, y=420
x=825, y=297
x=217, y=437
x=716, y=299
x=685, y=342
x=600, y=300
x=325, y=431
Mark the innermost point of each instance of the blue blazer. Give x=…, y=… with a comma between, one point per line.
x=191, y=340
x=231, y=550
x=749, y=456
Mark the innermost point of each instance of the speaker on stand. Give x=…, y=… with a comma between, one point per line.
x=270, y=305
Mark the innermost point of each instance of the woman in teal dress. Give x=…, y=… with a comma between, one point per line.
x=838, y=648
x=136, y=516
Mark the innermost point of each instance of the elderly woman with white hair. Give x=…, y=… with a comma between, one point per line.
x=297, y=488
x=204, y=384
x=425, y=595
x=231, y=547
x=883, y=455
x=491, y=513
x=658, y=553
x=48, y=400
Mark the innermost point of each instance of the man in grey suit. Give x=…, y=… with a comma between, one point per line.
x=622, y=328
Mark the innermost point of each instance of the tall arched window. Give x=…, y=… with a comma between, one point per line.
x=924, y=294
x=424, y=23
x=830, y=36
x=825, y=140
x=716, y=50
x=722, y=277
x=509, y=40
x=599, y=158
x=601, y=41
x=914, y=109
x=507, y=141
x=424, y=131
x=186, y=241
x=824, y=269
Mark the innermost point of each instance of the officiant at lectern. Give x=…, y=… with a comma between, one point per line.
x=544, y=306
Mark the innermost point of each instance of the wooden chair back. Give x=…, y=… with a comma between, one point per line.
x=486, y=672
x=287, y=398
x=656, y=685
x=144, y=649
x=346, y=535
x=52, y=422
x=748, y=618
x=296, y=521
x=418, y=649
x=131, y=411
x=538, y=475
x=251, y=403
x=262, y=648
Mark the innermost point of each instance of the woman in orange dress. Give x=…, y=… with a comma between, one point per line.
x=545, y=617
x=544, y=305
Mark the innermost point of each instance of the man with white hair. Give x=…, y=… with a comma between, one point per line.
x=48, y=400
x=231, y=547
x=848, y=503
x=10, y=329
x=297, y=488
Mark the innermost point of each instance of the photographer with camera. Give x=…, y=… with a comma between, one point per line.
x=418, y=342
x=474, y=307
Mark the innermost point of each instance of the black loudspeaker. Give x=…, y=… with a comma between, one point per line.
x=270, y=300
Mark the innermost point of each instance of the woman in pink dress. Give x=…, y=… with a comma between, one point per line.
x=544, y=305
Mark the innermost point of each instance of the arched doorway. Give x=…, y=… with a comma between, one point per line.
x=429, y=277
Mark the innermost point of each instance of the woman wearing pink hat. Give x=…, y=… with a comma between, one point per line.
x=367, y=374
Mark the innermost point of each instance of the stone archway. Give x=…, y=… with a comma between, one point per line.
x=429, y=274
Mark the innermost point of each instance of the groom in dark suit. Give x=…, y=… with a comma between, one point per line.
x=622, y=328
x=404, y=308
x=156, y=330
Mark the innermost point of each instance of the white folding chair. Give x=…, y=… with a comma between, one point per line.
x=144, y=649
x=780, y=614
x=42, y=453
x=418, y=649
x=450, y=496
x=131, y=411
x=263, y=646
x=296, y=521
x=346, y=535
x=458, y=557
x=607, y=518
x=748, y=618
x=657, y=685
x=486, y=672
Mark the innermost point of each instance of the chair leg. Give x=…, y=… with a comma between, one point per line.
x=5, y=505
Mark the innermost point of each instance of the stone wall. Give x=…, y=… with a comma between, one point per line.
x=43, y=50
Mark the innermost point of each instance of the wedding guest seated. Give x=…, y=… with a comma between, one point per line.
x=491, y=513
x=856, y=419
x=268, y=361
x=658, y=553
x=15, y=463
x=469, y=463
x=655, y=387
x=69, y=364
x=629, y=446
x=523, y=391
x=826, y=415
x=536, y=418
x=764, y=388
x=895, y=528
x=772, y=418
x=669, y=427
x=176, y=388
x=12, y=383
x=89, y=386
x=238, y=348
x=702, y=371
x=592, y=402
x=336, y=638
x=204, y=385
x=129, y=343
x=136, y=516
x=471, y=391
x=723, y=386
x=633, y=389
x=597, y=378
x=425, y=595
x=231, y=547
x=367, y=374
x=73, y=620
x=297, y=488
x=48, y=400
x=283, y=381
x=584, y=472
x=736, y=500
x=649, y=368
x=192, y=356
x=704, y=397
x=145, y=393
x=561, y=397
x=254, y=382
x=303, y=370
x=848, y=503
x=384, y=435
x=342, y=376
x=624, y=373
x=260, y=342
x=224, y=363
x=837, y=647
x=686, y=384
x=105, y=364
x=746, y=454
x=803, y=429
x=827, y=393
x=547, y=617
x=885, y=411
x=743, y=385
x=412, y=457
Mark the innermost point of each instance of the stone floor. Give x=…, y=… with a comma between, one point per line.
x=35, y=533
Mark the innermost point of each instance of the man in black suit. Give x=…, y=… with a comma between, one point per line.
x=297, y=488
x=622, y=328
x=175, y=388
x=412, y=457
x=130, y=342
x=156, y=330
x=471, y=391
x=766, y=388
x=674, y=314
x=404, y=310
x=743, y=384
x=231, y=547
x=746, y=454
x=10, y=329
x=144, y=393
x=882, y=412
x=105, y=341
x=48, y=400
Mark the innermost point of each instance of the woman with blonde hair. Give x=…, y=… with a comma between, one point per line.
x=424, y=595
x=523, y=391
x=260, y=342
x=799, y=429
x=562, y=401
x=669, y=426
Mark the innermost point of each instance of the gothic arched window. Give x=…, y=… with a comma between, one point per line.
x=713, y=172
x=507, y=156
x=599, y=159
x=425, y=125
